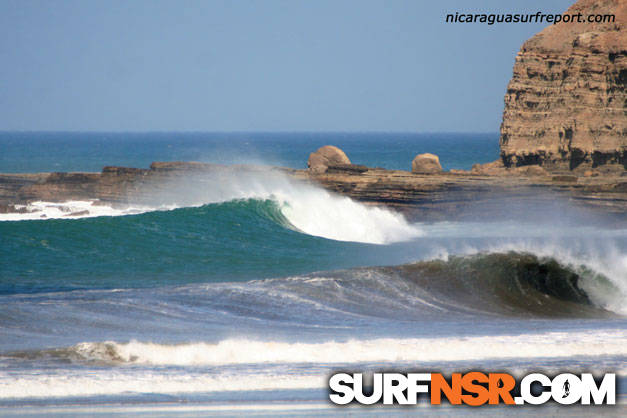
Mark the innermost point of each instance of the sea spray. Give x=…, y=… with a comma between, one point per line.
x=307, y=208
x=601, y=266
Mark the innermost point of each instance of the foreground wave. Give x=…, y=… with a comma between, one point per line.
x=453, y=314
x=244, y=351
x=481, y=287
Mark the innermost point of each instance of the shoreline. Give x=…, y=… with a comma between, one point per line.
x=437, y=196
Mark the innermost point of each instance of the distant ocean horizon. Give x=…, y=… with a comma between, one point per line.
x=89, y=151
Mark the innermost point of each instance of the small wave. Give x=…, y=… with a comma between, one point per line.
x=245, y=351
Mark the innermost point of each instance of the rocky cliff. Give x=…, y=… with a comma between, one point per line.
x=566, y=106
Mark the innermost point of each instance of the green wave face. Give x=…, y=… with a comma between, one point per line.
x=514, y=283
x=237, y=240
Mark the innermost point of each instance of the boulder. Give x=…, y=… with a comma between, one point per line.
x=326, y=156
x=426, y=164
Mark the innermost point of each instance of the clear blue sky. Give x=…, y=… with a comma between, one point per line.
x=316, y=65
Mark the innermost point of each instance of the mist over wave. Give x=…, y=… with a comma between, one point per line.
x=602, y=267
x=307, y=208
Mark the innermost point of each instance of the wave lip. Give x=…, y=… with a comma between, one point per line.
x=308, y=209
x=513, y=284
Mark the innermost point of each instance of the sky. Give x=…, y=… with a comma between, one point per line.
x=263, y=65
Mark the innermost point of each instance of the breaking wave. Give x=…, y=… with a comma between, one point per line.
x=307, y=209
x=461, y=288
x=518, y=283
x=246, y=351
x=510, y=284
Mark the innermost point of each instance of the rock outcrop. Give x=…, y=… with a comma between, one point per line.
x=426, y=164
x=496, y=168
x=326, y=156
x=444, y=195
x=566, y=105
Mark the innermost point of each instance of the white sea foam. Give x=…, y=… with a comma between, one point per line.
x=72, y=209
x=319, y=213
x=69, y=384
x=242, y=351
x=277, y=374
x=308, y=208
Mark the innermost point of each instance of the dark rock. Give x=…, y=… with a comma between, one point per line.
x=346, y=168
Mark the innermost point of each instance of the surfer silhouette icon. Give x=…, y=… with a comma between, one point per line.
x=566, y=389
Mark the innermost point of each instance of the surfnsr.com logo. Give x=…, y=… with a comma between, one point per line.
x=473, y=388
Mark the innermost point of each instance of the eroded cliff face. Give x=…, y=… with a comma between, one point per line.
x=566, y=106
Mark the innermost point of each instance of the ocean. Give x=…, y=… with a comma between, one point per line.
x=245, y=296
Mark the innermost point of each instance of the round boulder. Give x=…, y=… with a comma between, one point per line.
x=326, y=156
x=426, y=164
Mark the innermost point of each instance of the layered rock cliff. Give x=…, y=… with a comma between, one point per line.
x=566, y=106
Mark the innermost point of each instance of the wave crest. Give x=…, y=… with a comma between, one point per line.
x=513, y=283
x=308, y=209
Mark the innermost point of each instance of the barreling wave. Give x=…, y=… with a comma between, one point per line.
x=510, y=285
x=515, y=283
x=475, y=288
x=459, y=290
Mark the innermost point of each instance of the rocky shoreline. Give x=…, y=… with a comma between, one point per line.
x=444, y=195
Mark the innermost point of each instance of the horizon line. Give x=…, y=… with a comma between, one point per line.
x=22, y=131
